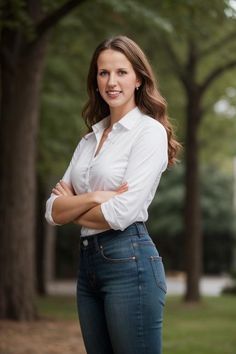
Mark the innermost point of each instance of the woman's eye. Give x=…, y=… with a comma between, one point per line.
x=122, y=72
x=102, y=73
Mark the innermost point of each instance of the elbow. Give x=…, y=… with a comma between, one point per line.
x=55, y=217
x=50, y=214
x=52, y=220
x=49, y=219
x=126, y=221
x=120, y=223
x=115, y=219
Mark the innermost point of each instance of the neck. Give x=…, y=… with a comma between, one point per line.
x=116, y=113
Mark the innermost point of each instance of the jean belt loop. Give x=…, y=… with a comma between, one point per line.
x=96, y=243
x=145, y=227
x=139, y=232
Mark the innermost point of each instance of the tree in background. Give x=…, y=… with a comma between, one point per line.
x=25, y=27
x=208, y=36
x=198, y=42
x=194, y=45
x=166, y=224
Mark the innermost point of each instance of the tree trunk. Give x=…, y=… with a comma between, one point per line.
x=193, y=227
x=40, y=240
x=21, y=79
x=45, y=243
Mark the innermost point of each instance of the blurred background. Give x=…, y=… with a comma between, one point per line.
x=46, y=47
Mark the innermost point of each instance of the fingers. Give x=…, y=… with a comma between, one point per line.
x=67, y=188
x=58, y=190
x=62, y=188
x=123, y=188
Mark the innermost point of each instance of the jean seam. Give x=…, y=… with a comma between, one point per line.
x=140, y=290
x=158, y=283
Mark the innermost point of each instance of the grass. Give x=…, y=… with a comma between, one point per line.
x=207, y=328
x=57, y=307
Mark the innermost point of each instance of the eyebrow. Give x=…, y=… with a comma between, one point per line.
x=117, y=69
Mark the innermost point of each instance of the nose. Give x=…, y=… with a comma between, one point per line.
x=111, y=80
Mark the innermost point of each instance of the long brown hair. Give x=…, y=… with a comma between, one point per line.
x=147, y=98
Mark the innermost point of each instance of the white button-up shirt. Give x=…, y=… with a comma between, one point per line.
x=135, y=151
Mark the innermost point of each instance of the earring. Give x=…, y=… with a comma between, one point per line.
x=97, y=89
x=137, y=87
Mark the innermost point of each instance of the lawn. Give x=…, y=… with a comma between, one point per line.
x=207, y=328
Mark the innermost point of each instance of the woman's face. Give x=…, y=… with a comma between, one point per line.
x=116, y=80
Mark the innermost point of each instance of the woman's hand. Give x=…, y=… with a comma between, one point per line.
x=94, y=216
x=62, y=188
x=103, y=196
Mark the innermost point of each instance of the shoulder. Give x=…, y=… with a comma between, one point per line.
x=82, y=142
x=87, y=136
x=152, y=128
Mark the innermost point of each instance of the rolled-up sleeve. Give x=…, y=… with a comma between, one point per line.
x=66, y=178
x=147, y=160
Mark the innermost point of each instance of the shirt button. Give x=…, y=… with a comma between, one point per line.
x=85, y=243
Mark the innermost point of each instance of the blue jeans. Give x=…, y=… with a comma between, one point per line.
x=121, y=292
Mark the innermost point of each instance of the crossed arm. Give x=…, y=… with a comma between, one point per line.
x=93, y=219
x=84, y=209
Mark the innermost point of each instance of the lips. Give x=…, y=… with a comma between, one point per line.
x=113, y=94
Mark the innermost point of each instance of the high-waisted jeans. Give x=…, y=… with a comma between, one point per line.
x=121, y=292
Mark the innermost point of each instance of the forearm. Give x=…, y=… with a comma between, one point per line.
x=67, y=208
x=93, y=219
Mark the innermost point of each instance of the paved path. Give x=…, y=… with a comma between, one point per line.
x=209, y=285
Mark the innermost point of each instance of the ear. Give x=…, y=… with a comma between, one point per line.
x=138, y=82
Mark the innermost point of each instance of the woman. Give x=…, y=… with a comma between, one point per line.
x=107, y=189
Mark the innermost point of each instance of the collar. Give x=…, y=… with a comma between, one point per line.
x=128, y=121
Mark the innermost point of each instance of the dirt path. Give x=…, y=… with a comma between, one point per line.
x=41, y=337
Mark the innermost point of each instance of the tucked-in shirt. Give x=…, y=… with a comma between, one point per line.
x=135, y=151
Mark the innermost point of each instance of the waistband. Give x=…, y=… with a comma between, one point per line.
x=137, y=228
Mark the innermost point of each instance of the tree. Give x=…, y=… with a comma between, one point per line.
x=199, y=46
x=196, y=51
x=166, y=224
x=25, y=28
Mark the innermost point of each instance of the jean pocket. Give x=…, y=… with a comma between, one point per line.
x=159, y=272
x=117, y=254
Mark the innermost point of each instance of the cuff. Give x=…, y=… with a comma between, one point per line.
x=109, y=215
x=48, y=213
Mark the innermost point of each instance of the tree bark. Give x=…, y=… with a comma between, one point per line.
x=193, y=220
x=45, y=243
x=21, y=81
x=22, y=62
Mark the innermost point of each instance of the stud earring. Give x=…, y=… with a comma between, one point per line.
x=137, y=87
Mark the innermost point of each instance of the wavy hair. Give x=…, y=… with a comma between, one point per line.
x=147, y=98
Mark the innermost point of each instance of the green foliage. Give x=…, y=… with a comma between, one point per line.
x=166, y=211
x=151, y=25
x=218, y=129
x=74, y=40
x=166, y=218
x=217, y=190
x=14, y=16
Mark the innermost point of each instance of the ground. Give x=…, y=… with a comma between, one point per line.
x=204, y=328
x=41, y=337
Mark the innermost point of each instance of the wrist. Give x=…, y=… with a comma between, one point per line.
x=94, y=198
